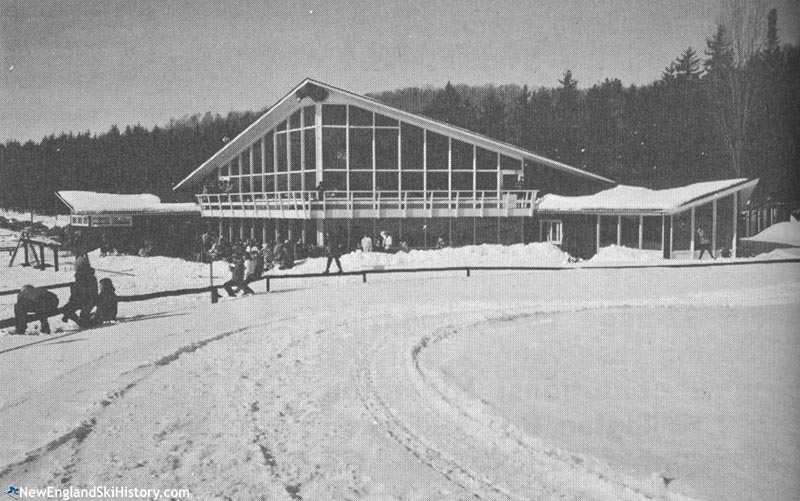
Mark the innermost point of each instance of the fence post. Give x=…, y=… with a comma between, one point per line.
x=214, y=293
x=55, y=258
x=467, y=271
x=268, y=285
x=364, y=277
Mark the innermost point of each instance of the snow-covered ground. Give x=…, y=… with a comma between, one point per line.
x=49, y=221
x=584, y=383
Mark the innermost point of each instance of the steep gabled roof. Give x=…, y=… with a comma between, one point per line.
x=290, y=103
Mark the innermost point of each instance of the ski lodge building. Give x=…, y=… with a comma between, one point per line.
x=324, y=159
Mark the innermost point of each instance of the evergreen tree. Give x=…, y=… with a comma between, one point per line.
x=449, y=106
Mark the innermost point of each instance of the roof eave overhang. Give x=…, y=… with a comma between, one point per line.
x=747, y=186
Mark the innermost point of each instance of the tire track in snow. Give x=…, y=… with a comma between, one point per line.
x=472, y=431
x=140, y=373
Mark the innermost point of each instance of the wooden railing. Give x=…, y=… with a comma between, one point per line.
x=300, y=204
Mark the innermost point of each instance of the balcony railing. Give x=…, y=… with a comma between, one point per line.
x=308, y=204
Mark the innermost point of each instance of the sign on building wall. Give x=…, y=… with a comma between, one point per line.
x=101, y=221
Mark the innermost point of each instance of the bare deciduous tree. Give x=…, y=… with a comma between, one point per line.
x=739, y=37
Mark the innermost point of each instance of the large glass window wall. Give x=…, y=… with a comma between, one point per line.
x=284, y=159
x=363, y=151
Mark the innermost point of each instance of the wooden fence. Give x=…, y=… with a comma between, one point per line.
x=214, y=289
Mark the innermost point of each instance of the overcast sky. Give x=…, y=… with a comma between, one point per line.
x=87, y=64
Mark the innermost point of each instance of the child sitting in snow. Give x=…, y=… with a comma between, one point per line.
x=106, y=302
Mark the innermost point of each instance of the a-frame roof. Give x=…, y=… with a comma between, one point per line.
x=289, y=103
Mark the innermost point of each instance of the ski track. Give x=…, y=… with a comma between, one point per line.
x=223, y=407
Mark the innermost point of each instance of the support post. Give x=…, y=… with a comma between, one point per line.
x=692, y=229
x=714, y=227
x=364, y=277
x=663, y=236
x=320, y=232
x=641, y=230
x=55, y=258
x=671, y=226
x=268, y=284
x=735, y=224
x=597, y=236
x=619, y=230
x=214, y=293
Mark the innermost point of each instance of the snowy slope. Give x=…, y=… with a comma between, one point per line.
x=335, y=389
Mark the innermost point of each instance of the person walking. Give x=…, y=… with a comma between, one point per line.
x=705, y=243
x=237, y=278
x=37, y=300
x=333, y=249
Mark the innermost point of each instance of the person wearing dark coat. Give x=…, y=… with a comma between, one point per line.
x=36, y=300
x=83, y=297
x=237, y=278
x=333, y=249
x=106, y=302
x=283, y=256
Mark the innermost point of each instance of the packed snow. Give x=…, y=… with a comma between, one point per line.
x=587, y=383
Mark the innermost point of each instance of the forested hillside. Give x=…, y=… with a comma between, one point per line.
x=708, y=117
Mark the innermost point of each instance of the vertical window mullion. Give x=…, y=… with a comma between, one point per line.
x=302, y=150
x=425, y=161
x=347, y=147
x=374, y=162
x=399, y=159
x=275, y=154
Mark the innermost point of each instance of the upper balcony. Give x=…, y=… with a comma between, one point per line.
x=368, y=204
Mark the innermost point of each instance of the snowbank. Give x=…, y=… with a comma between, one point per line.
x=617, y=253
x=534, y=254
x=787, y=233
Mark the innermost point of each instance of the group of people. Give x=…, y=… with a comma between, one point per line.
x=385, y=244
x=86, y=294
x=249, y=260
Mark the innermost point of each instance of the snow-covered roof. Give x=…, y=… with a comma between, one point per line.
x=634, y=199
x=89, y=202
x=787, y=233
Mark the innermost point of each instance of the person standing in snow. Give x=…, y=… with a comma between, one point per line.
x=266, y=255
x=237, y=278
x=333, y=250
x=366, y=243
x=704, y=243
x=387, y=242
x=283, y=256
x=250, y=267
x=38, y=301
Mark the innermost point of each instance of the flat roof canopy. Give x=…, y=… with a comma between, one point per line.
x=634, y=200
x=93, y=203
